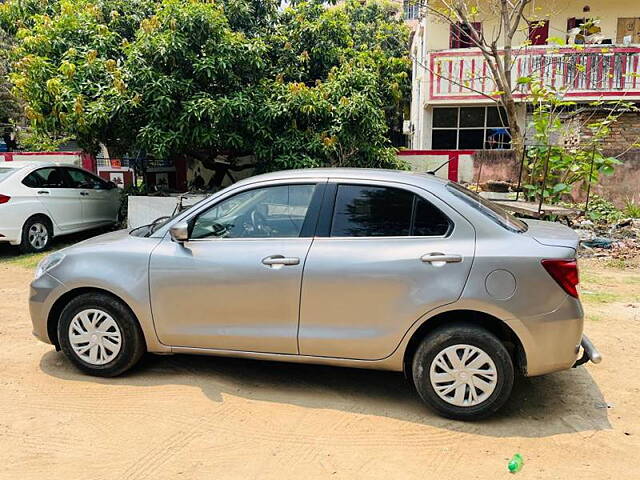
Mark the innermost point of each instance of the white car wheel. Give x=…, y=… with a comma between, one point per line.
x=38, y=236
x=463, y=375
x=95, y=337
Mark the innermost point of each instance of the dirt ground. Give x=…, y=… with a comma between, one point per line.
x=186, y=417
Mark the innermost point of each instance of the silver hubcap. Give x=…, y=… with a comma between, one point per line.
x=38, y=235
x=95, y=336
x=463, y=375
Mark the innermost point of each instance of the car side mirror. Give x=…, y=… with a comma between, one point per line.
x=180, y=232
x=111, y=186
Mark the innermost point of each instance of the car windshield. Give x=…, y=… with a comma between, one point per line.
x=5, y=173
x=488, y=208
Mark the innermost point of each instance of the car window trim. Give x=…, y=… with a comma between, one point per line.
x=328, y=211
x=316, y=203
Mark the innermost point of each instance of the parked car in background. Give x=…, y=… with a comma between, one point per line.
x=360, y=268
x=39, y=201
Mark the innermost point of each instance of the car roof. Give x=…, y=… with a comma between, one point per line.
x=401, y=176
x=28, y=164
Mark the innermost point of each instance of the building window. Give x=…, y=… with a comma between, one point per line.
x=460, y=35
x=411, y=9
x=470, y=128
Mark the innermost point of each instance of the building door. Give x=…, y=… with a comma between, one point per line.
x=539, y=32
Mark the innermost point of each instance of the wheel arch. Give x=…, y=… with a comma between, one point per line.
x=43, y=215
x=58, y=306
x=493, y=324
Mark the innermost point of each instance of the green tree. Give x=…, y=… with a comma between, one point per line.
x=308, y=85
x=9, y=106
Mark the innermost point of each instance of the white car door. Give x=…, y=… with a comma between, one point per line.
x=62, y=203
x=100, y=203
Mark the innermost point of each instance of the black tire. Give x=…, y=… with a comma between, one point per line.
x=467, y=334
x=26, y=246
x=132, y=346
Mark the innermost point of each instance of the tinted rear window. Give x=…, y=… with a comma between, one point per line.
x=371, y=211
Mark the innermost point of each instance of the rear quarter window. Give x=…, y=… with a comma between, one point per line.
x=488, y=209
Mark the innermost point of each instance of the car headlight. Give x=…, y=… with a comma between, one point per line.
x=48, y=263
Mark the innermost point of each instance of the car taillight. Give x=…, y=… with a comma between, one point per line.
x=565, y=272
x=4, y=198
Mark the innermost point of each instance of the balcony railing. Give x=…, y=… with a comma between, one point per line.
x=587, y=73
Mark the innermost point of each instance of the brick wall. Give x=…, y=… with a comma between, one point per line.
x=625, y=132
x=620, y=187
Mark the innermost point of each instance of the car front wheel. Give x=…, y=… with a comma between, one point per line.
x=463, y=372
x=100, y=335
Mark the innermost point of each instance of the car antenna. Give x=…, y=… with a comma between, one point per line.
x=433, y=172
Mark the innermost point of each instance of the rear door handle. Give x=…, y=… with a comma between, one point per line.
x=274, y=260
x=436, y=257
x=84, y=194
x=43, y=192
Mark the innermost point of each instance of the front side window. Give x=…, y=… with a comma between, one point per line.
x=371, y=211
x=45, y=178
x=270, y=212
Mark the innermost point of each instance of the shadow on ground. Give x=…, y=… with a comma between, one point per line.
x=564, y=402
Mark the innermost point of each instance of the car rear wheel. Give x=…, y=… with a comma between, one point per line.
x=100, y=335
x=36, y=235
x=463, y=372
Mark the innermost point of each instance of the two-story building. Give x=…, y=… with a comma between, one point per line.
x=591, y=47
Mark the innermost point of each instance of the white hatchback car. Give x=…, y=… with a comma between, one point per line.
x=41, y=200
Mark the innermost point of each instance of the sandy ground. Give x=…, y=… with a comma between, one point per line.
x=208, y=418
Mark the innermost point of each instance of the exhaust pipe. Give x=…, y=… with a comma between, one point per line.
x=590, y=352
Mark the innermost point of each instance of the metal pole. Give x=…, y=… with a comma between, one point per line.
x=524, y=154
x=479, y=173
x=593, y=159
x=544, y=179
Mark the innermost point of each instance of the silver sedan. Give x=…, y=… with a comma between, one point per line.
x=358, y=268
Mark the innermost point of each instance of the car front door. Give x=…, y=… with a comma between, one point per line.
x=385, y=255
x=63, y=203
x=235, y=284
x=99, y=203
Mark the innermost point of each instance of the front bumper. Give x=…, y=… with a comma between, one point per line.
x=589, y=353
x=43, y=292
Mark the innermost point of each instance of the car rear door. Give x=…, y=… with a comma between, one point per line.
x=63, y=203
x=384, y=255
x=99, y=203
x=235, y=284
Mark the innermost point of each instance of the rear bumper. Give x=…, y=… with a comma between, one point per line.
x=11, y=235
x=552, y=341
x=589, y=353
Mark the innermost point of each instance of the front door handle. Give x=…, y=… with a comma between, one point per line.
x=436, y=257
x=43, y=192
x=84, y=194
x=274, y=260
